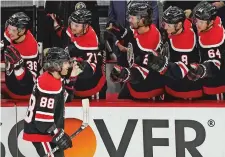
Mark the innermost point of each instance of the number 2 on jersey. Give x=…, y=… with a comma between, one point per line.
x=145, y=61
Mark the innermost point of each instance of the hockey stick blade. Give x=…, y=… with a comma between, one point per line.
x=85, y=105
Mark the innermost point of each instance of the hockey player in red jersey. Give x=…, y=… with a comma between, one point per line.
x=211, y=44
x=141, y=39
x=83, y=46
x=179, y=52
x=21, y=57
x=44, y=122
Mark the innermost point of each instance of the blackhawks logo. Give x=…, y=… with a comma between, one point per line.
x=80, y=5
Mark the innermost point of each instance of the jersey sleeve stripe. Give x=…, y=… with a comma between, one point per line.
x=144, y=72
x=45, y=113
x=215, y=62
x=19, y=73
x=183, y=68
x=43, y=116
x=44, y=120
x=47, y=148
x=93, y=66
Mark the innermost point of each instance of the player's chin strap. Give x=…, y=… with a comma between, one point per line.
x=85, y=105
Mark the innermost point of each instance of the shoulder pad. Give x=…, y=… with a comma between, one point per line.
x=46, y=83
x=214, y=37
x=185, y=41
x=149, y=41
x=89, y=41
x=28, y=48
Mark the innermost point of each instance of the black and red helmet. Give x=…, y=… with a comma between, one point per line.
x=19, y=20
x=82, y=16
x=205, y=11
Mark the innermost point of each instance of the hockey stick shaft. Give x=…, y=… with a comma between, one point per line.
x=85, y=104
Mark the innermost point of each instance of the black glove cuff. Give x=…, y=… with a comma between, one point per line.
x=19, y=64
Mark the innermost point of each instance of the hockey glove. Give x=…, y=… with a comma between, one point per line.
x=157, y=63
x=116, y=29
x=13, y=56
x=62, y=140
x=120, y=74
x=196, y=71
x=76, y=69
x=80, y=62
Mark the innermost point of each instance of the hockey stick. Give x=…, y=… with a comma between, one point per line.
x=85, y=104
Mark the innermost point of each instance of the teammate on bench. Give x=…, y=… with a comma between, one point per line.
x=211, y=44
x=83, y=46
x=141, y=39
x=21, y=57
x=179, y=52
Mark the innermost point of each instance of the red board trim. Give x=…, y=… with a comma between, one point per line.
x=127, y=103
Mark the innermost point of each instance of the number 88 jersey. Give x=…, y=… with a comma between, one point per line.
x=46, y=108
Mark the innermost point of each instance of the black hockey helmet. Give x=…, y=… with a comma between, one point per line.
x=82, y=16
x=55, y=58
x=140, y=8
x=205, y=11
x=19, y=20
x=173, y=15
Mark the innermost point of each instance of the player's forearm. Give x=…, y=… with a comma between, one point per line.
x=212, y=68
x=175, y=71
x=219, y=4
x=138, y=74
x=20, y=73
x=88, y=71
x=70, y=83
x=59, y=30
x=122, y=43
x=24, y=76
x=121, y=47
